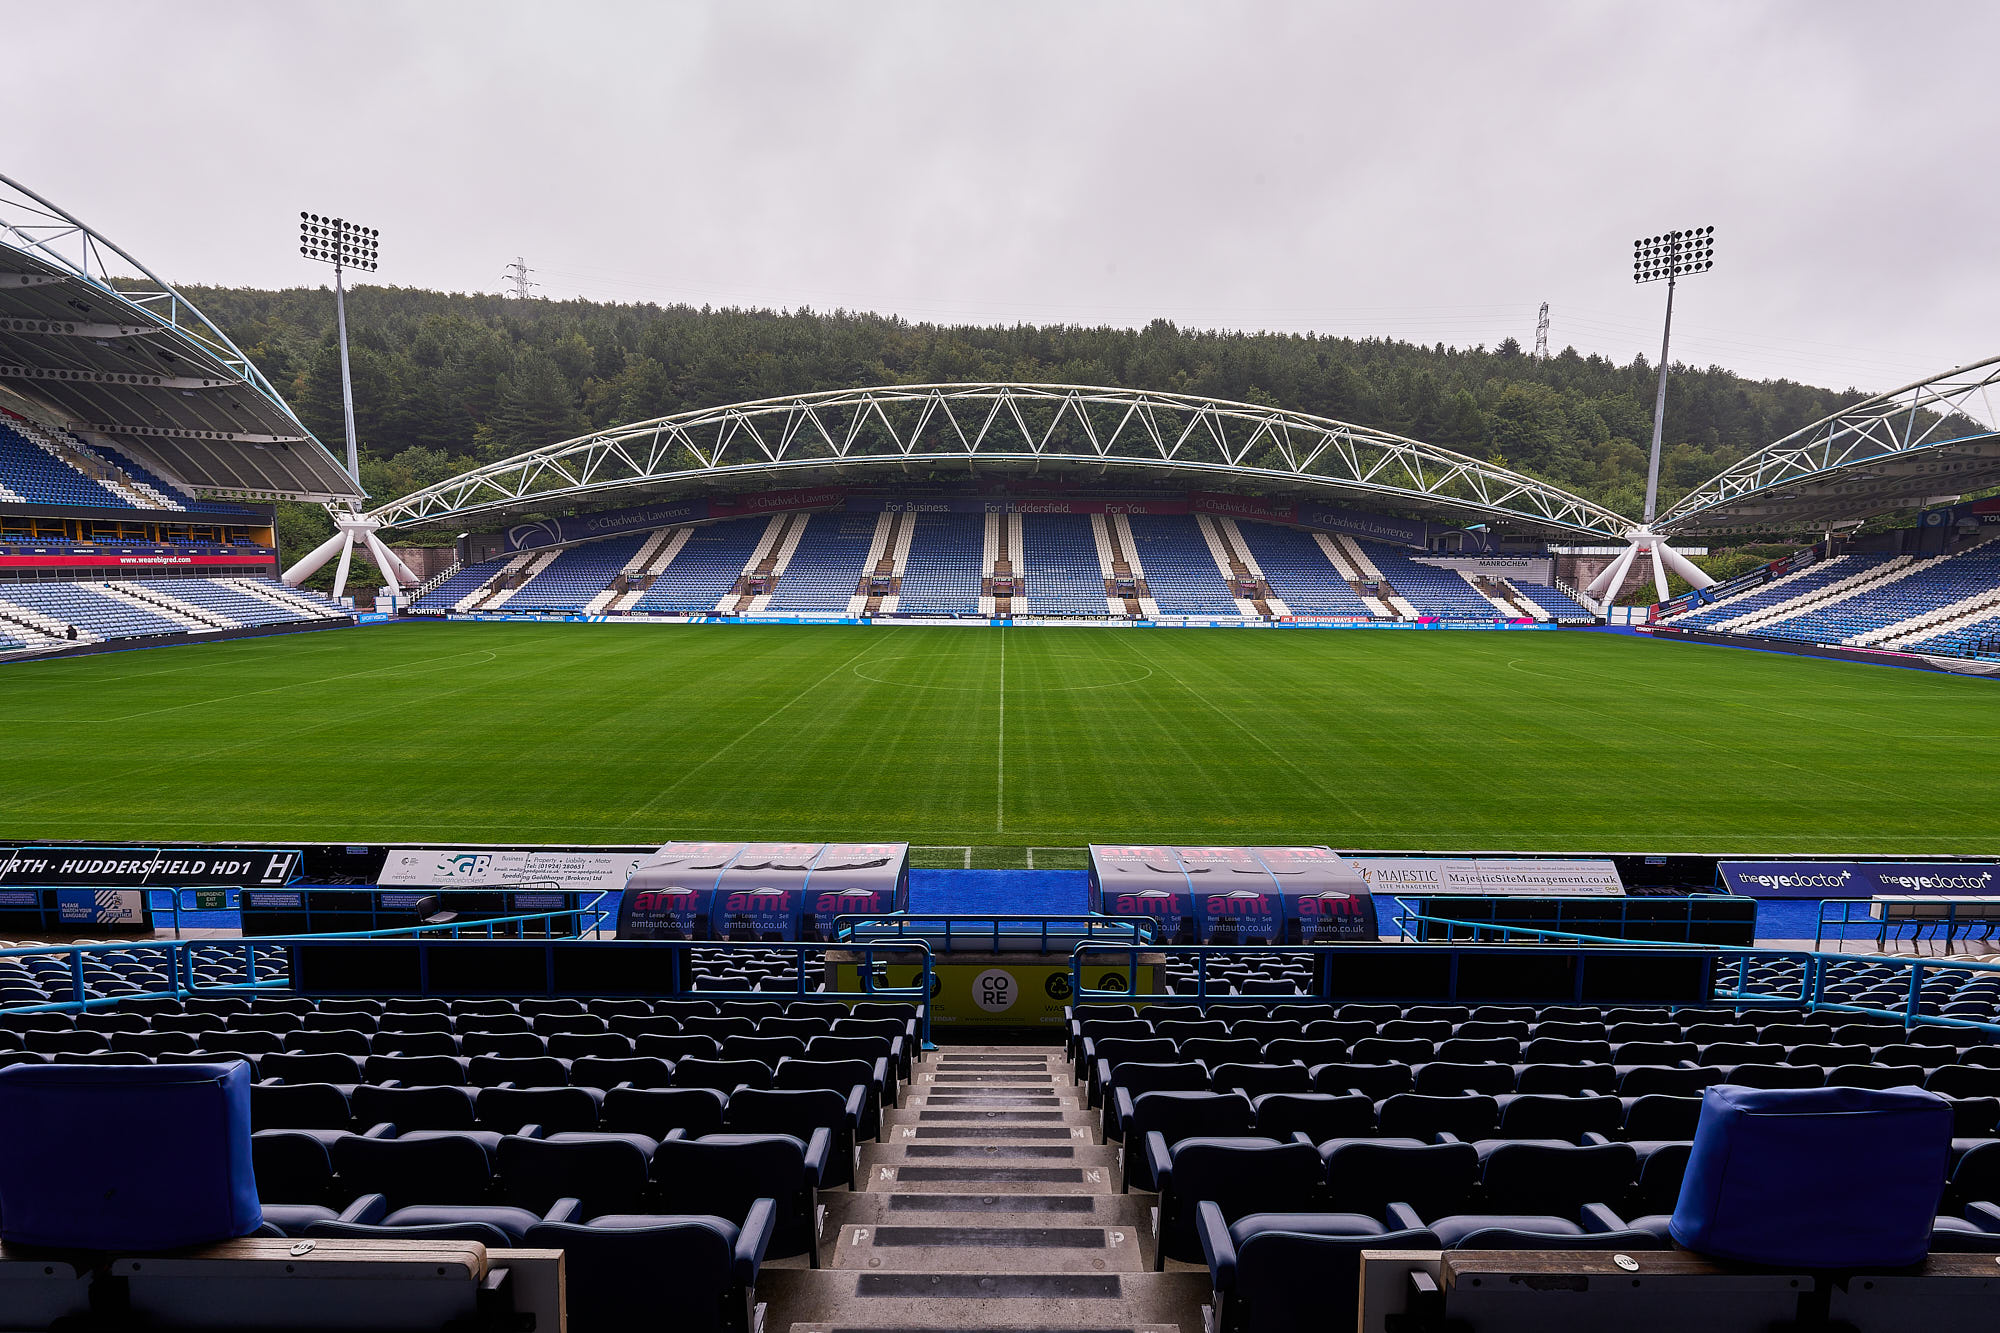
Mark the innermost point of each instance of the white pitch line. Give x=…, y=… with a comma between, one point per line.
x=1000, y=787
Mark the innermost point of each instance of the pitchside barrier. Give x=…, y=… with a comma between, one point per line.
x=988, y=622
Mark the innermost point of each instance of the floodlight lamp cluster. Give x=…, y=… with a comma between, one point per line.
x=1676, y=254
x=338, y=241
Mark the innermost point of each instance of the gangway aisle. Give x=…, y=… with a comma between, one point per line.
x=989, y=1204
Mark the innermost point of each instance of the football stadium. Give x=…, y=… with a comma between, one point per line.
x=976, y=853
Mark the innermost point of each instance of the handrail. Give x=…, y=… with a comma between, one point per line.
x=373, y=892
x=849, y=924
x=1405, y=914
x=1811, y=988
x=1881, y=922
x=181, y=956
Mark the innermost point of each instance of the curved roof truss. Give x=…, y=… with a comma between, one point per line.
x=1906, y=447
x=1053, y=429
x=89, y=330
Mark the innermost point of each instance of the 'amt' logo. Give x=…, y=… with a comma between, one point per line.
x=848, y=902
x=1241, y=902
x=760, y=900
x=665, y=900
x=1151, y=902
x=1328, y=904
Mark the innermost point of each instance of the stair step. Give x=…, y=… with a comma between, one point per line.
x=1074, y=1153
x=956, y=1178
x=1010, y=1250
x=846, y=1301
x=1069, y=1210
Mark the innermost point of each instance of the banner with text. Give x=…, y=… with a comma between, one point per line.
x=439, y=868
x=1487, y=875
x=147, y=867
x=1862, y=879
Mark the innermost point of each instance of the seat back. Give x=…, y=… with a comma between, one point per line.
x=414, y=1108
x=446, y=1168
x=605, y=1174
x=59, y=1186
x=1317, y=1115
x=1758, y=1189
x=1240, y=1176
x=556, y=1110
x=291, y=1167
x=1557, y=1178
x=657, y=1112
x=605, y=1072
x=1367, y=1175
x=617, y=1274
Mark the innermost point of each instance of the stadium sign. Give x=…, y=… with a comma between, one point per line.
x=1487, y=875
x=554, y=531
x=433, y=868
x=147, y=867
x=1861, y=879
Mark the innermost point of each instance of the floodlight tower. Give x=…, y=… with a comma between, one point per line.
x=1671, y=256
x=346, y=245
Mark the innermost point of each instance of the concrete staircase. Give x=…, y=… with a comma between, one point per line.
x=989, y=1204
x=1229, y=563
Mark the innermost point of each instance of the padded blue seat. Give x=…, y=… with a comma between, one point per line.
x=1758, y=1189
x=1367, y=1175
x=1275, y=1272
x=621, y=1267
x=60, y=1187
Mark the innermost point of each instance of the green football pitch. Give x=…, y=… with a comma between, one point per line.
x=1021, y=738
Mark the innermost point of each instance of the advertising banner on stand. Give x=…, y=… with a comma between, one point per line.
x=448, y=867
x=1862, y=879
x=1533, y=876
x=147, y=867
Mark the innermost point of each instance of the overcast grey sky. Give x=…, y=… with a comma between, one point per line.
x=1430, y=171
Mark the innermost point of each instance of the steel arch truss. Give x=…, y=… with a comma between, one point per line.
x=44, y=230
x=1801, y=476
x=917, y=428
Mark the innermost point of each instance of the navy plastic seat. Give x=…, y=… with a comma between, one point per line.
x=1181, y=1115
x=658, y=1112
x=726, y=1174
x=607, y=1072
x=618, y=1266
x=1367, y=1175
x=555, y=1110
x=1239, y=1175
x=605, y=1173
x=424, y=1168
x=1276, y=1272
x=1317, y=1115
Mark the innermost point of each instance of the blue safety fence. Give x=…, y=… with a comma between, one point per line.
x=997, y=932
x=1744, y=976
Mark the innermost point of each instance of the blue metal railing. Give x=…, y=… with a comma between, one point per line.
x=181, y=957
x=1415, y=911
x=995, y=932
x=591, y=908
x=1878, y=919
x=1810, y=991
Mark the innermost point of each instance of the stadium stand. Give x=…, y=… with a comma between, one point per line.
x=1431, y=590
x=577, y=575
x=827, y=564
x=1553, y=600
x=1915, y=589
x=461, y=585
x=88, y=609
x=1299, y=572
x=943, y=572
x=1180, y=570
x=1060, y=564
x=32, y=474
x=1941, y=605
x=706, y=568
x=43, y=465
